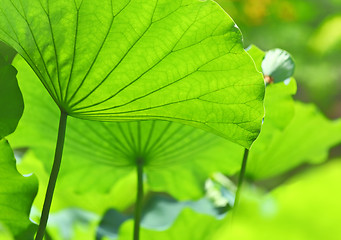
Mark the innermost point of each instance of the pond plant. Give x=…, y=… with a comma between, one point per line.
x=161, y=92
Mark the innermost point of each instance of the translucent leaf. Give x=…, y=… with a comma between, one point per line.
x=177, y=158
x=135, y=60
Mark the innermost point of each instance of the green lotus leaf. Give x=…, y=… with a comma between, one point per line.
x=11, y=101
x=16, y=195
x=137, y=60
x=177, y=158
x=306, y=139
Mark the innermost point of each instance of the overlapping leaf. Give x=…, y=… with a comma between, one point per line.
x=117, y=60
x=16, y=192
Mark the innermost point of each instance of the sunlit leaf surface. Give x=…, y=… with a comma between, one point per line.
x=116, y=60
x=177, y=158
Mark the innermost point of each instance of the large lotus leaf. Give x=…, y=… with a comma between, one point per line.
x=11, y=101
x=16, y=194
x=306, y=208
x=307, y=138
x=189, y=225
x=177, y=158
x=178, y=60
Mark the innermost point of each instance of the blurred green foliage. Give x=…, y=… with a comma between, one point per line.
x=305, y=208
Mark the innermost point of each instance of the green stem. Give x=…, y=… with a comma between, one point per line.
x=53, y=176
x=241, y=177
x=139, y=198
